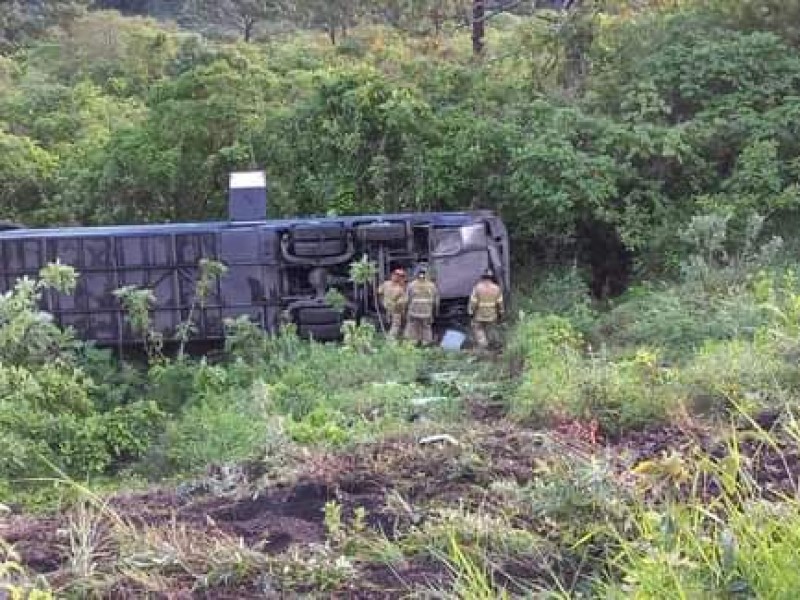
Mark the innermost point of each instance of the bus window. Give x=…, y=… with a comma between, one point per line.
x=446, y=242
x=473, y=237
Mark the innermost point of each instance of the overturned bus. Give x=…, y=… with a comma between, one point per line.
x=277, y=270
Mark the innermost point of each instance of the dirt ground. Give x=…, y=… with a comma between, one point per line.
x=285, y=518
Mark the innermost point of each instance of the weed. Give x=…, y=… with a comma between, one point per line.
x=487, y=540
x=209, y=273
x=15, y=582
x=738, y=544
x=217, y=430
x=471, y=581
x=89, y=549
x=563, y=293
x=210, y=560
x=319, y=568
x=560, y=378
x=138, y=303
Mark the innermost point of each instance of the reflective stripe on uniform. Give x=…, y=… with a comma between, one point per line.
x=422, y=297
x=393, y=296
x=486, y=303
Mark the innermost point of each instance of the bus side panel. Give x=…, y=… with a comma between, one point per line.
x=272, y=279
x=165, y=263
x=205, y=313
x=92, y=309
x=19, y=258
x=251, y=285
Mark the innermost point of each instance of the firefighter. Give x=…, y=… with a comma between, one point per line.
x=486, y=309
x=423, y=305
x=393, y=297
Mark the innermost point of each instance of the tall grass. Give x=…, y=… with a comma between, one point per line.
x=471, y=581
x=16, y=581
x=740, y=543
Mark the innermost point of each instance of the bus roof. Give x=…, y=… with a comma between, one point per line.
x=433, y=218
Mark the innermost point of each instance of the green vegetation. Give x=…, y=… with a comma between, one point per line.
x=126, y=119
x=639, y=442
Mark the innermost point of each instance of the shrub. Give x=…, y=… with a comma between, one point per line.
x=550, y=352
x=683, y=551
x=677, y=319
x=564, y=293
x=622, y=395
x=730, y=375
x=97, y=444
x=171, y=385
x=29, y=336
x=560, y=379
x=299, y=390
x=222, y=423
x=222, y=430
x=114, y=382
x=321, y=426
x=48, y=417
x=21, y=454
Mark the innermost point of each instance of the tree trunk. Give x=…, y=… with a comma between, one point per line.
x=248, y=25
x=478, y=26
x=437, y=17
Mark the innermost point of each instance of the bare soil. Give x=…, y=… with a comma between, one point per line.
x=278, y=520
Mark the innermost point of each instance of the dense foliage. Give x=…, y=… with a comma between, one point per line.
x=664, y=130
x=717, y=347
x=593, y=120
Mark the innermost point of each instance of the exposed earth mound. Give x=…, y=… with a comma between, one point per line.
x=351, y=523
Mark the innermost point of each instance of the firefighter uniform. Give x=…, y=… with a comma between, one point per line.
x=423, y=304
x=393, y=298
x=485, y=308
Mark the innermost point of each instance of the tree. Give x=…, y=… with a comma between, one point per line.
x=482, y=11
x=126, y=7
x=355, y=146
x=242, y=15
x=421, y=16
x=124, y=55
x=779, y=16
x=20, y=21
x=478, y=26
x=333, y=16
x=173, y=165
x=25, y=175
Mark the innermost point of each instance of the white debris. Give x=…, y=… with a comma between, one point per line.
x=428, y=400
x=435, y=439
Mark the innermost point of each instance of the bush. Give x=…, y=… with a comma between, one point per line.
x=325, y=393
x=745, y=547
x=48, y=416
x=217, y=430
x=108, y=440
x=551, y=354
x=78, y=444
x=677, y=319
x=734, y=375
x=321, y=426
x=564, y=293
x=171, y=385
x=114, y=382
x=560, y=379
